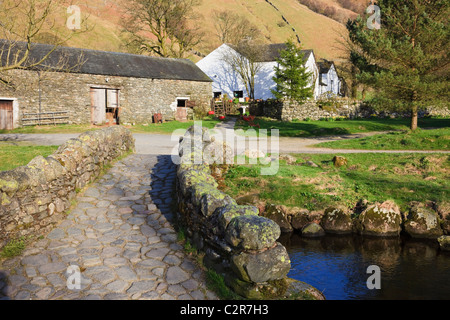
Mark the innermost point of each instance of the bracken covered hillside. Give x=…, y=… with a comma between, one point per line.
x=277, y=20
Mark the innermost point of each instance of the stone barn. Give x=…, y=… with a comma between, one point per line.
x=83, y=86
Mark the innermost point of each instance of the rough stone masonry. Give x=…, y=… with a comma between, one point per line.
x=237, y=241
x=34, y=197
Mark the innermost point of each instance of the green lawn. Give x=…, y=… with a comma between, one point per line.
x=12, y=156
x=161, y=128
x=339, y=127
x=374, y=177
x=169, y=127
x=436, y=139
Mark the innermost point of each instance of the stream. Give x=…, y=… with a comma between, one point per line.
x=338, y=266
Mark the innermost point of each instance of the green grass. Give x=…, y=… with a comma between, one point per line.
x=374, y=177
x=216, y=283
x=13, y=248
x=171, y=126
x=161, y=128
x=339, y=127
x=435, y=139
x=12, y=156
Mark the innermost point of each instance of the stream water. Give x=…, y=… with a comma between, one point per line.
x=338, y=266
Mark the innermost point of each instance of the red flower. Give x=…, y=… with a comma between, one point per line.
x=211, y=112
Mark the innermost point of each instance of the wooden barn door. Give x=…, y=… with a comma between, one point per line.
x=98, y=105
x=181, y=114
x=6, y=115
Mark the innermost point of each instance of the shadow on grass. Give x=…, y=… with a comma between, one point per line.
x=343, y=127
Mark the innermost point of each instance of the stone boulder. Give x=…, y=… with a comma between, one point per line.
x=422, y=222
x=337, y=220
x=224, y=215
x=271, y=264
x=380, y=220
x=310, y=164
x=288, y=158
x=443, y=210
x=254, y=153
x=218, y=152
x=278, y=213
x=252, y=200
x=339, y=161
x=252, y=233
x=299, y=217
x=444, y=243
x=313, y=230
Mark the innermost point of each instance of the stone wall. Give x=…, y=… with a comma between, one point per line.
x=139, y=98
x=237, y=242
x=34, y=197
x=291, y=110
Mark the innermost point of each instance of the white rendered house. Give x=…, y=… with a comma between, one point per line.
x=329, y=81
x=227, y=81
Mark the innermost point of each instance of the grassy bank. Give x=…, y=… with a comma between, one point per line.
x=12, y=156
x=339, y=127
x=435, y=139
x=169, y=127
x=374, y=177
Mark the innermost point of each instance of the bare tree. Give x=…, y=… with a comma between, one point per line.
x=246, y=60
x=233, y=28
x=21, y=24
x=161, y=27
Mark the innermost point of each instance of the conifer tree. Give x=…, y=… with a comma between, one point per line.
x=291, y=75
x=405, y=60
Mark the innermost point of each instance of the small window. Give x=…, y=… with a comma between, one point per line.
x=238, y=94
x=181, y=103
x=217, y=94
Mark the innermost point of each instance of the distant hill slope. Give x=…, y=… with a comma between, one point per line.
x=276, y=20
x=339, y=10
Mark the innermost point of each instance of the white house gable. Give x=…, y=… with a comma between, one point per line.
x=227, y=81
x=329, y=84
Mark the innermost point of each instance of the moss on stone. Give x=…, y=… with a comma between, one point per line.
x=380, y=220
x=5, y=199
x=252, y=232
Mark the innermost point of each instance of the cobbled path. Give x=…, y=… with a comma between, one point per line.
x=121, y=237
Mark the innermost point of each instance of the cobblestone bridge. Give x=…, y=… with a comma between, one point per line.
x=119, y=235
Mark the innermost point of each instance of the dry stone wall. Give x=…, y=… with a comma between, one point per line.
x=286, y=110
x=34, y=197
x=236, y=240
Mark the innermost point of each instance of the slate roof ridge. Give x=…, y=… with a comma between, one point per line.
x=120, y=63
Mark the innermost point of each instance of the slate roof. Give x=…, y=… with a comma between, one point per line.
x=112, y=63
x=272, y=52
x=324, y=65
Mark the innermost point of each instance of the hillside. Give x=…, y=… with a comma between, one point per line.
x=275, y=19
x=315, y=31
x=338, y=10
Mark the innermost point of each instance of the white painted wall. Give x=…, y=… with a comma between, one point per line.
x=227, y=81
x=311, y=66
x=331, y=79
x=224, y=78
